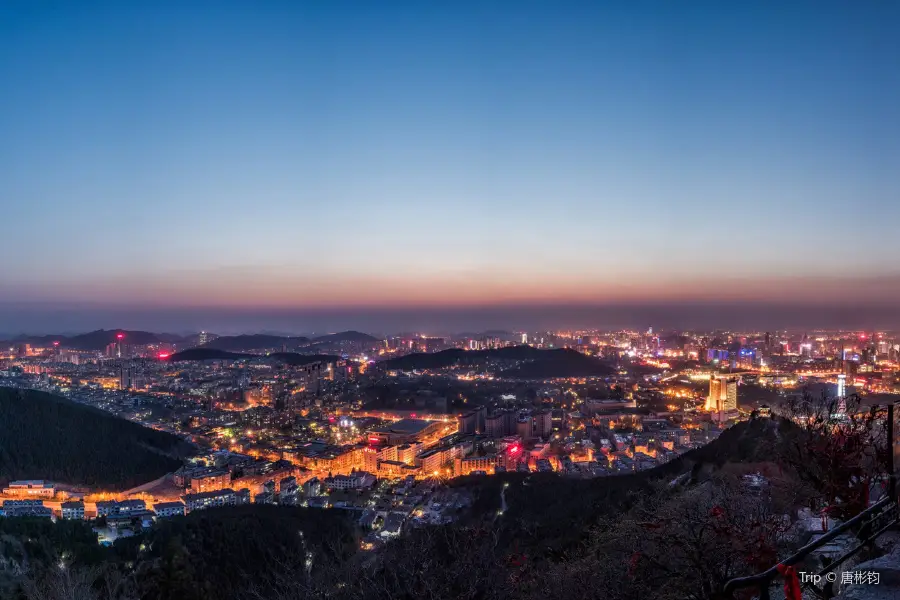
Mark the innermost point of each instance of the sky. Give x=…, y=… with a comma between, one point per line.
x=318, y=164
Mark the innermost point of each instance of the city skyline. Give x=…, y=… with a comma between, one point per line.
x=693, y=317
x=453, y=164
x=490, y=299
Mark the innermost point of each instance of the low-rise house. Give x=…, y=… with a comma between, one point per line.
x=72, y=510
x=26, y=511
x=169, y=509
x=106, y=508
x=216, y=498
x=393, y=525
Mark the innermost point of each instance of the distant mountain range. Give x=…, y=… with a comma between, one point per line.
x=207, y=354
x=247, y=343
x=346, y=336
x=289, y=358
x=522, y=362
x=458, y=356
x=560, y=363
x=296, y=360
x=98, y=340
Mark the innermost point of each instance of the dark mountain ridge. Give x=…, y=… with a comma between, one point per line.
x=347, y=336
x=288, y=358
x=203, y=353
x=247, y=343
x=549, y=519
x=99, y=339
x=536, y=363
x=43, y=436
x=295, y=360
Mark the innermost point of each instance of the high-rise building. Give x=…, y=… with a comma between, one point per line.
x=501, y=423
x=203, y=338
x=543, y=424
x=842, y=394
x=481, y=417
x=126, y=378
x=468, y=422
x=723, y=394
x=525, y=428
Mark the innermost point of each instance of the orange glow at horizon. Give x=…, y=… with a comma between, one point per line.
x=265, y=289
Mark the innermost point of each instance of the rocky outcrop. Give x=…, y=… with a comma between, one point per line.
x=876, y=579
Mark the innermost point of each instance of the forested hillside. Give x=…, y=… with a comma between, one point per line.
x=43, y=436
x=679, y=531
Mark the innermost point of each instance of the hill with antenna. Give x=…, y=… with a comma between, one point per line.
x=250, y=343
x=346, y=336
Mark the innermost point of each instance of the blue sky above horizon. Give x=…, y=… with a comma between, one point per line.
x=306, y=155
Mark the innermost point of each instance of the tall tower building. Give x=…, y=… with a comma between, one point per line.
x=723, y=394
x=543, y=424
x=126, y=378
x=842, y=394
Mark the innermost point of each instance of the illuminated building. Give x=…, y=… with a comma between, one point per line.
x=30, y=489
x=593, y=406
x=543, y=424
x=500, y=424
x=169, y=509
x=107, y=508
x=226, y=497
x=405, y=431
x=842, y=394
x=126, y=378
x=214, y=480
x=395, y=468
x=465, y=466
x=723, y=395
x=72, y=510
x=354, y=481
x=407, y=452
x=203, y=338
x=716, y=354
x=467, y=422
x=431, y=461
x=318, y=456
x=429, y=344
x=525, y=428
x=12, y=509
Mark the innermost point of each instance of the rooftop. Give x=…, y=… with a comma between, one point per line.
x=408, y=426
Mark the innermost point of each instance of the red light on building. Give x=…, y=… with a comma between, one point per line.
x=514, y=450
x=374, y=440
x=164, y=355
x=56, y=343
x=119, y=336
